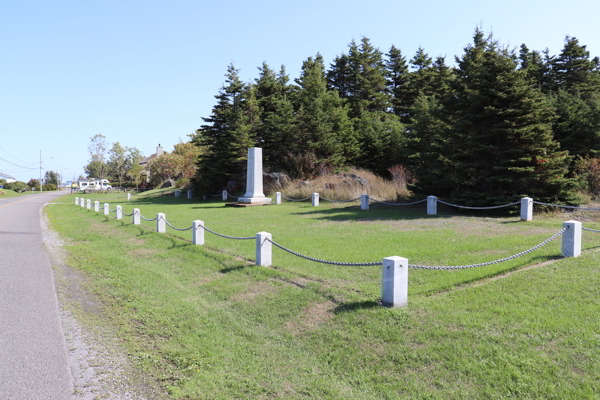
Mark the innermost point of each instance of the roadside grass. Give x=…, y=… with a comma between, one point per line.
x=208, y=324
x=8, y=193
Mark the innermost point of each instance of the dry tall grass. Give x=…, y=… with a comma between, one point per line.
x=347, y=186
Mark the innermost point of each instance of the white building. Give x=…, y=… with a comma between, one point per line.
x=7, y=178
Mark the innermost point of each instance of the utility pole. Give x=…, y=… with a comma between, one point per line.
x=41, y=189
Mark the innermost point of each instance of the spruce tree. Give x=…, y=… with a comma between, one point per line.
x=503, y=147
x=573, y=71
x=397, y=76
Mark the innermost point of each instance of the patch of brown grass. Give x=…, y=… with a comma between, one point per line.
x=253, y=292
x=142, y=253
x=311, y=318
x=344, y=186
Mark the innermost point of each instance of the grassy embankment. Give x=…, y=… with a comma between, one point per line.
x=208, y=324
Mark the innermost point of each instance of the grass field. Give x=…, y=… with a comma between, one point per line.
x=206, y=323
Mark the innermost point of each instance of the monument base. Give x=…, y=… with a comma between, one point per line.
x=245, y=204
x=254, y=200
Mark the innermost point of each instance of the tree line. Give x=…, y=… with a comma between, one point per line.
x=500, y=124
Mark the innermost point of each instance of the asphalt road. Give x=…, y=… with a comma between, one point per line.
x=33, y=355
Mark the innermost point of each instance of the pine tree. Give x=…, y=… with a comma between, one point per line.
x=338, y=75
x=501, y=134
x=573, y=71
x=397, y=81
x=227, y=133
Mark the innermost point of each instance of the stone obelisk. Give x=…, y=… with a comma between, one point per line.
x=254, y=179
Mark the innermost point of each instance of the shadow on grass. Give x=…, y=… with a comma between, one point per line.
x=359, y=305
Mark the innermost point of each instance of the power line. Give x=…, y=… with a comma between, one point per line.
x=16, y=157
x=20, y=166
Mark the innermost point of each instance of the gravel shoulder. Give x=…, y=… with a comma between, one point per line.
x=97, y=359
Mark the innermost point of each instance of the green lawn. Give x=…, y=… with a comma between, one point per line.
x=207, y=323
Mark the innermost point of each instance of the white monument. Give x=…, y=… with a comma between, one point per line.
x=254, y=179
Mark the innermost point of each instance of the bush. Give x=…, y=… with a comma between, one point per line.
x=49, y=186
x=589, y=168
x=16, y=186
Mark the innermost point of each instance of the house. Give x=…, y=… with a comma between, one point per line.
x=146, y=161
x=7, y=178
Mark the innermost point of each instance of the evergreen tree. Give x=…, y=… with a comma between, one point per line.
x=573, y=71
x=382, y=141
x=338, y=76
x=502, y=143
x=397, y=81
x=227, y=133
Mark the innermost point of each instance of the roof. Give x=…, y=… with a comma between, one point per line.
x=4, y=176
x=146, y=160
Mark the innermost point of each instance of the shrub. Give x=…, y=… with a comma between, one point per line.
x=49, y=186
x=589, y=168
x=16, y=186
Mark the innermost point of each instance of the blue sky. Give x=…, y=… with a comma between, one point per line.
x=145, y=72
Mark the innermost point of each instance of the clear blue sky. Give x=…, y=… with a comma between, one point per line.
x=145, y=72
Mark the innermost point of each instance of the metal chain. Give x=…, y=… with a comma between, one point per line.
x=128, y=215
x=177, y=229
x=398, y=204
x=215, y=195
x=109, y=209
x=144, y=218
x=325, y=261
x=479, y=208
x=340, y=201
x=233, y=197
x=287, y=198
x=590, y=230
x=228, y=237
x=545, y=242
x=560, y=205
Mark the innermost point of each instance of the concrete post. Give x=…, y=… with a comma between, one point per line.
x=277, y=197
x=97, y=206
x=177, y=193
x=136, y=216
x=571, y=244
x=394, y=282
x=160, y=223
x=315, y=199
x=119, y=212
x=76, y=201
x=263, y=249
x=198, y=232
x=89, y=204
x=128, y=196
x=204, y=197
x=82, y=202
x=431, y=205
x=106, y=210
x=526, y=209
x=364, y=201
x=224, y=195
x=189, y=194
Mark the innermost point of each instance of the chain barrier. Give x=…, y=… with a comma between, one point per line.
x=479, y=208
x=177, y=229
x=545, y=242
x=233, y=197
x=111, y=210
x=591, y=230
x=146, y=219
x=561, y=206
x=339, y=201
x=228, y=237
x=215, y=195
x=128, y=215
x=325, y=261
x=304, y=199
x=397, y=204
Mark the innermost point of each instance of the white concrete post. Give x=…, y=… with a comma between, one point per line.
x=119, y=212
x=364, y=201
x=160, y=223
x=76, y=201
x=177, y=193
x=106, y=210
x=526, y=209
x=82, y=202
x=89, y=204
x=136, y=216
x=571, y=244
x=263, y=249
x=97, y=206
x=224, y=195
x=394, y=282
x=277, y=197
x=204, y=197
x=128, y=196
x=431, y=205
x=315, y=199
x=198, y=232
x=189, y=194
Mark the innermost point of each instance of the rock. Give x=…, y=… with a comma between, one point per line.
x=275, y=180
x=303, y=183
x=168, y=183
x=355, y=178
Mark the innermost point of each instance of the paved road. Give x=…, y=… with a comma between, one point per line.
x=33, y=355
